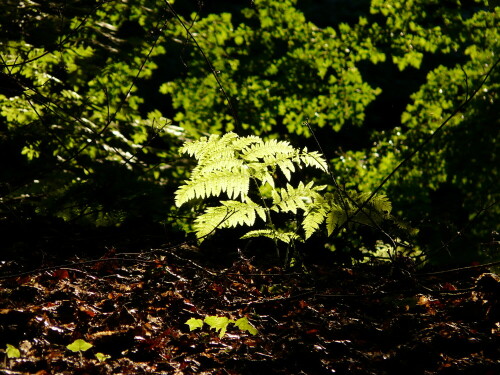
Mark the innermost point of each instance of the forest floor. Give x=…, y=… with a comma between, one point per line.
x=384, y=318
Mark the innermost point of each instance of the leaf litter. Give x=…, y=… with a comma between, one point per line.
x=123, y=317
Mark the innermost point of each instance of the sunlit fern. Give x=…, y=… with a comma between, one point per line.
x=232, y=167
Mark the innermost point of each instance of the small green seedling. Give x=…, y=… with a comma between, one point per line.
x=79, y=346
x=194, y=323
x=101, y=357
x=220, y=324
x=12, y=351
x=244, y=325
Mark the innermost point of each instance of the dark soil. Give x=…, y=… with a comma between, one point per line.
x=383, y=318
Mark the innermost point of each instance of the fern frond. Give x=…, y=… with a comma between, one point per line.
x=314, y=217
x=220, y=164
x=244, y=213
x=272, y=147
x=229, y=182
x=283, y=161
x=287, y=168
x=381, y=204
x=210, y=220
x=335, y=218
x=205, y=148
x=286, y=237
x=227, y=164
x=290, y=199
x=374, y=211
x=313, y=159
x=242, y=143
x=229, y=214
x=262, y=175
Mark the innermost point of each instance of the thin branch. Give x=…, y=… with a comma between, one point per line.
x=460, y=269
x=72, y=265
x=209, y=64
x=459, y=233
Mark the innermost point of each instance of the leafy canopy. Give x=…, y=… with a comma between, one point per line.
x=278, y=68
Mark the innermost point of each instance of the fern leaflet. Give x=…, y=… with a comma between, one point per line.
x=286, y=237
x=229, y=214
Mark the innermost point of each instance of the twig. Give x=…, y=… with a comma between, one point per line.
x=186, y=260
x=460, y=269
x=476, y=216
x=71, y=265
x=209, y=64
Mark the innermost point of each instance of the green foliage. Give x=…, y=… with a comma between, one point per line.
x=194, y=323
x=241, y=167
x=281, y=69
x=453, y=178
x=221, y=323
x=102, y=357
x=230, y=164
x=87, y=140
x=79, y=345
x=278, y=68
x=387, y=253
x=218, y=324
x=12, y=351
x=71, y=112
x=244, y=325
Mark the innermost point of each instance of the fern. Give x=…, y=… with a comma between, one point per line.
x=375, y=210
x=228, y=214
x=273, y=234
x=230, y=166
x=330, y=208
x=314, y=217
x=232, y=182
x=290, y=199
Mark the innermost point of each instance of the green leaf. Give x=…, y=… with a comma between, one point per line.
x=194, y=323
x=244, y=325
x=12, y=351
x=219, y=323
x=101, y=357
x=79, y=345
